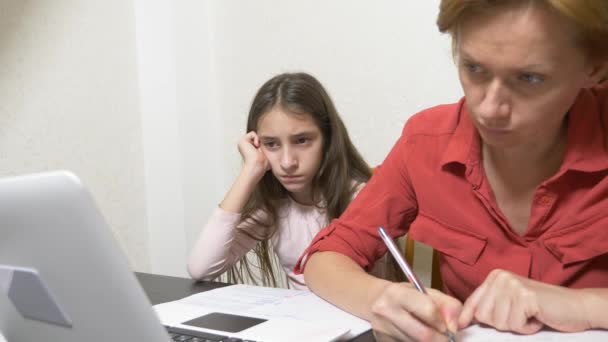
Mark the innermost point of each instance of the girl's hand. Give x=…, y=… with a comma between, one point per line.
x=402, y=313
x=510, y=302
x=254, y=160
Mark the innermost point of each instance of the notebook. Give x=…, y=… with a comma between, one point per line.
x=287, y=315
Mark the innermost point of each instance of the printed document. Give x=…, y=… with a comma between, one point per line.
x=292, y=315
x=478, y=333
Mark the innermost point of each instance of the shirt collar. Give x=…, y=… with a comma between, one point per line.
x=464, y=146
x=585, y=146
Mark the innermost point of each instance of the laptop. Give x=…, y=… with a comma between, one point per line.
x=63, y=277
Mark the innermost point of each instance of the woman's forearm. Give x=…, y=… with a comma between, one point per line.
x=595, y=302
x=342, y=282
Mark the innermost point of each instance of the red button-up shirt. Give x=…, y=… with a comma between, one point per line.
x=433, y=185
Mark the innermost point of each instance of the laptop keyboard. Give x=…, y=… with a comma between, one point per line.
x=180, y=334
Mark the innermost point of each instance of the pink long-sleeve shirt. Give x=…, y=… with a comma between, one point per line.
x=220, y=245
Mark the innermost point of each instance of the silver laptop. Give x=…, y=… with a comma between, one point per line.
x=62, y=275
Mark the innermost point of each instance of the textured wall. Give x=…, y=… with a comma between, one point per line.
x=68, y=100
x=146, y=100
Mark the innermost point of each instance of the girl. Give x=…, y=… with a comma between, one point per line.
x=294, y=132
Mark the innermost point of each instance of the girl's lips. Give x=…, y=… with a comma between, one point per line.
x=291, y=178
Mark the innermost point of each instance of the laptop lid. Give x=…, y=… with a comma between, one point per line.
x=62, y=275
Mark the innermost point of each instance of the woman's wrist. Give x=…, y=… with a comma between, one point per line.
x=594, y=303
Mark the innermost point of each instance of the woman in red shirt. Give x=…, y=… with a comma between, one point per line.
x=509, y=184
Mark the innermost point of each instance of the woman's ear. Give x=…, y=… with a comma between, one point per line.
x=605, y=78
x=599, y=73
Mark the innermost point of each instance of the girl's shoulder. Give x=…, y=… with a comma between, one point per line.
x=357, y=186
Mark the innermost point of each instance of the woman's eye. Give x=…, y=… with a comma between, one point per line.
x=270, y=144
x=531, y=78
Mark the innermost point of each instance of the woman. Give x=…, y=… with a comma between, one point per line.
x=509, y=184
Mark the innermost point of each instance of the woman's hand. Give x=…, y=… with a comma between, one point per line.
x=254, y=159
x=402, y=313
x=509, y=302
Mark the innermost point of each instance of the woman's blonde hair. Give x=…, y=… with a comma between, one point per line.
x=590, y=18
x=342, y=167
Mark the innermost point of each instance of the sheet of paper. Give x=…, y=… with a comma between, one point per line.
x=478, y=333
x=296, y=315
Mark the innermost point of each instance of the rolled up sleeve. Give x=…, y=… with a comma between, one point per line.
x=387, y=200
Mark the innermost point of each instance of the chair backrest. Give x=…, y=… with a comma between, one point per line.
x=436, y=281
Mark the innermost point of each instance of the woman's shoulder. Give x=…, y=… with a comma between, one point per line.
x=434, y=120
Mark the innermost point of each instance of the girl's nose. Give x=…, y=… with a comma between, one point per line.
x=289, y=160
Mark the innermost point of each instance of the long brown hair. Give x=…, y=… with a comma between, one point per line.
x=334, y=185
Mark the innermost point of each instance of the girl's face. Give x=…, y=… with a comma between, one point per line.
x=521, y=71
x=293, y=144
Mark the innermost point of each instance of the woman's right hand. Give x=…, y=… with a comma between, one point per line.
x=254, y=159
x=402, y=313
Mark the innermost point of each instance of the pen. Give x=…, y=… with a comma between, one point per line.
x=409, y=273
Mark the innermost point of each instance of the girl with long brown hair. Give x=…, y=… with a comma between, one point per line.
x=300, y=171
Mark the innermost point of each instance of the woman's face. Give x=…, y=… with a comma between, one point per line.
x=293, y=144
x=521, y=71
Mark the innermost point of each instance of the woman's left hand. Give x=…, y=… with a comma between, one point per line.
x=509, y=302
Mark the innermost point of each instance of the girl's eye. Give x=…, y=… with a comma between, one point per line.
x=302, y=140
x=531, y=78
x=270, y=144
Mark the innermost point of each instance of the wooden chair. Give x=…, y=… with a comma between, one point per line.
x=436, y=281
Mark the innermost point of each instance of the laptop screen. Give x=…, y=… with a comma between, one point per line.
x=63, y=277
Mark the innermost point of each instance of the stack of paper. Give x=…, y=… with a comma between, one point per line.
x=477, y=333
x=291, y=315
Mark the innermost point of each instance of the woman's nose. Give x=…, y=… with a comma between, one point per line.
x=494, y=109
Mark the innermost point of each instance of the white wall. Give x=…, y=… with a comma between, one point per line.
x=155, y=33
x=68, y=100
x=146, y=99
x=380, y=61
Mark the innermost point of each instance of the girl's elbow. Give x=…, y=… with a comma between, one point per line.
x=202, y=271
x=196, y=271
